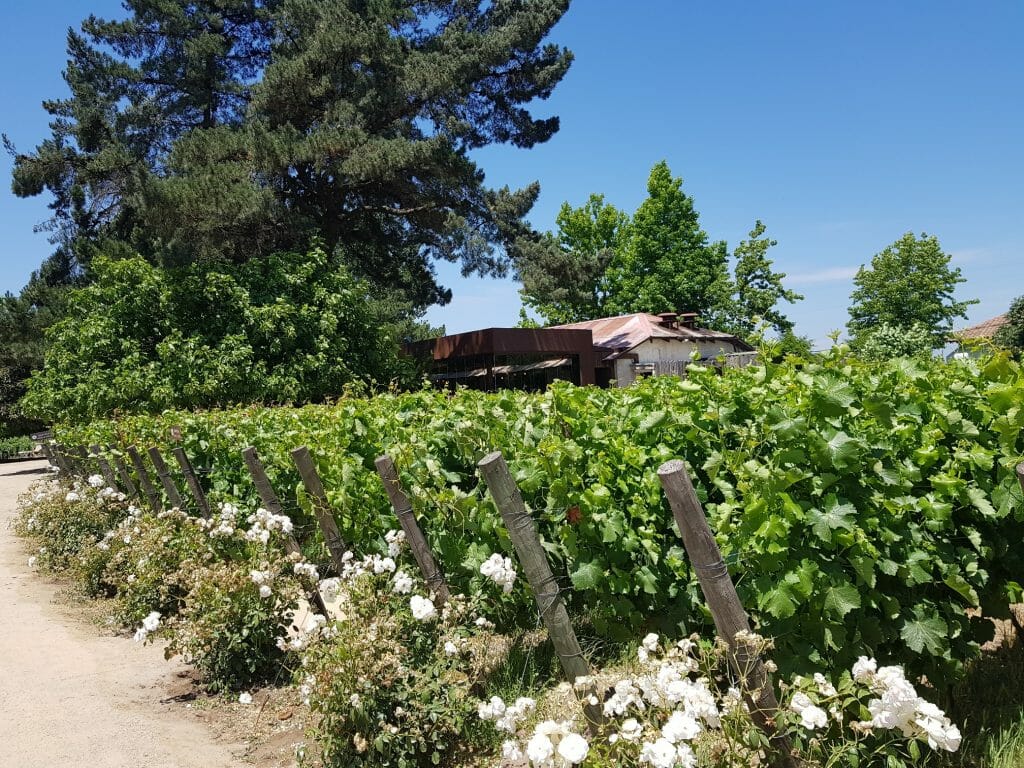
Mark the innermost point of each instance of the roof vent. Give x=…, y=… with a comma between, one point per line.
x=668, y=319
x=688, y=320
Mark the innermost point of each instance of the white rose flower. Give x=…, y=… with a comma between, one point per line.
x=539, y=749
x=401, y=583
x=631, y=730
x=661, y=754
x=573, y=748
x=864, y=669
x=681, y=726
x=813, y=717
x=245, y=698
x=422, y=608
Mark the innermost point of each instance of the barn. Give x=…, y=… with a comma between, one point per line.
x=610, y=351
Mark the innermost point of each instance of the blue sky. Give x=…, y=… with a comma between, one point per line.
x=841, y=126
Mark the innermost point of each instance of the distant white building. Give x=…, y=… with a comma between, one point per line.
x=631, y=346
x=970, y=341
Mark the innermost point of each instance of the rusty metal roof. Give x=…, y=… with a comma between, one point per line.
x=984, y=330
x=615, y=335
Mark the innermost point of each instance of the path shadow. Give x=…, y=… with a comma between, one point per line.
x=33, y=471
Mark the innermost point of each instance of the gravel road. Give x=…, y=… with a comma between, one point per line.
x=71, y=697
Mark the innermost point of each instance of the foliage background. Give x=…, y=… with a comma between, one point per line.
x=289, y=327
x=862, y=508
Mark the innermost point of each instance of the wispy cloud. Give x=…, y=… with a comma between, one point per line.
x=830, y=275
x=968, y=255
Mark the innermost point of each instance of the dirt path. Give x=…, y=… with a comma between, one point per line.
x=69, y=697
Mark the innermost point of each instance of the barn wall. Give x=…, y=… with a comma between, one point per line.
x=670, y=350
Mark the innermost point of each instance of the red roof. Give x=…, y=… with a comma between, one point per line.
x=624, y=332
x=985, y=330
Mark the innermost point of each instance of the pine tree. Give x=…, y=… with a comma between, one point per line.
x=362, y=127
x=137, y=86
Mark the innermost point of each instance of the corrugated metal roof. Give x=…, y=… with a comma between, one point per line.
x=615, y=335
x=984, y=330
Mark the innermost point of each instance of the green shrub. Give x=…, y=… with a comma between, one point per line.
x=149, y=562
x=395, y=691
x=67, y=521
x=9, y=446
x=287, y=327
x=227, y=628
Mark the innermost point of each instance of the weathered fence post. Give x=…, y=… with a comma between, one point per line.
x=192, y=481
x=332, y=536
x=413, y=535
x=105, y=470
x=723, y=602
x=48, y=454
x=81, y=460
x=63, y=463
x=523, y=532
x=122, y=473
x=272, y=504
x=165, y=478
x=144, y=479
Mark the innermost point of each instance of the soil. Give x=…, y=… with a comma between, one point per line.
x=73, y=692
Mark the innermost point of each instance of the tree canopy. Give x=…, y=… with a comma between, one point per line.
x=1011, y=335
x=227, y=129
x=908, y=283
x=289, y=327
x=757, y=288
x=668, y=263
x=601, y=261
x=566, y=279
x=214, y=132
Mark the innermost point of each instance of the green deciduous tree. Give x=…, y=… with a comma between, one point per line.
x=757, y=288
x=910, y=282
x=668, y=262
x=885, y=342
x=284, y=328
x=1011, y=335
x=565, y=277
x=600, y=261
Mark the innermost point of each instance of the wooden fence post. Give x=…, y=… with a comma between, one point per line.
x=122, y=473
x=332, y=536
x=55, y=459
x=105, y=470
x=165, y=478
x=272, y=504
x=523, y=532
x=62, y=460
x=81, y=461
x=144, y=479
x=723, y=602
x=413, y=535
x=48, y=454
x=69, y=460
x=192, y=481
